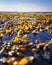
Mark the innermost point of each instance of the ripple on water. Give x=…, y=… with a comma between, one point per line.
x=41, y=36
x=8, y=39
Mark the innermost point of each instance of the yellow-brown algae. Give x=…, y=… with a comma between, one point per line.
x=1, y=35
x=4, y=60
x=25, y=36
x=30, y=44
x=19, y=54
x=30, y=58
x=17, y=29
x=13, y=59
x=17, y=40
x=41, y=30
x=11, y=53
x=40, y=45
x=30, y=26
x=49, y=31
x=15, y=63
x=14, y=48
x=35, y=32
x=23, y=49
x=34, y=49
x=10, y=62
x=46, y=55
x=45, y=46
x=25, y=39
x=23, y=61
x=37, y=41
x=3, y=48
x=8, y=32
x=47, y=28
x=20, y=32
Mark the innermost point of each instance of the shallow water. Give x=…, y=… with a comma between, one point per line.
x=41, y=36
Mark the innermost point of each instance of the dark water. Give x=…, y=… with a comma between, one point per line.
x=41, y=36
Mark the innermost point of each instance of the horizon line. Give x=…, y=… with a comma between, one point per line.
x=26, y=11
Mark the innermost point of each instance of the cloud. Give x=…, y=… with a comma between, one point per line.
x=24, y=8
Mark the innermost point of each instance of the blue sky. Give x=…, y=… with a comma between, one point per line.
x=26, y=5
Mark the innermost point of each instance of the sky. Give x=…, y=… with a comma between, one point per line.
x=26, y=5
